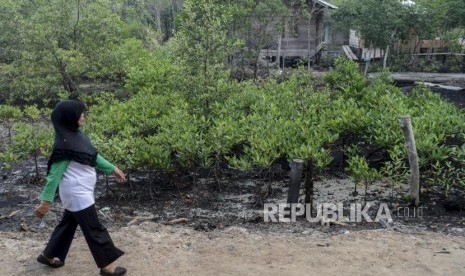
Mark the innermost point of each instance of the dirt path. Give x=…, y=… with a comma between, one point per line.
x=154, y=249
x=428, y=77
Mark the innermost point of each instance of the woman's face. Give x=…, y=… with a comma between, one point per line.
x=82, y=120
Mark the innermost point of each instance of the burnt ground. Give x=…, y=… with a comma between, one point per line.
x=455, y=97
x=224, y=232
x=235, y=199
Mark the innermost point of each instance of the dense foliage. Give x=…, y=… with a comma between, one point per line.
x=162, y=128
x=400, y=24
x=177, y=107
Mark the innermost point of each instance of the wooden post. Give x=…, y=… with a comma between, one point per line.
x=406, y=125
x=309, y=172
x=278, y=56
x=294, y=181
x=309, y=24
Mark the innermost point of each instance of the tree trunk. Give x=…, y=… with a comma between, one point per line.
x=278, y=56
x=429, y=52
x=365, y=71
x=255, y=67
x=308, y=38
x=75, y=25
x=36, y=156
x=385, y=57
x=463, y=51
x=68, y=83
x=9, y=126
x=414, y=59
x=158, y=15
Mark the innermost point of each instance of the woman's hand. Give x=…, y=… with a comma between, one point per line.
x=42, y=209
x=119, y=175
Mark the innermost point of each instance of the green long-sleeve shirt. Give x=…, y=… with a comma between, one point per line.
x=58, y=169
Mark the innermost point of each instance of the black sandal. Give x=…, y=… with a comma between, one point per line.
x=44, y=260
x=118, y=271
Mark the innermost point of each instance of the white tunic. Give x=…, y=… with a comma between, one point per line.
x=77, y=186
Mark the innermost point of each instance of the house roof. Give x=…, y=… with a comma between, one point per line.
x=326, y=4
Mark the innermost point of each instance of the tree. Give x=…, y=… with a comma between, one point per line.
x=456, y=14
x=429, y=19
x=162, y=14
x=378, y=21
x=52, y=46
x=151, y=21
x=262, y=19
x=202, y=41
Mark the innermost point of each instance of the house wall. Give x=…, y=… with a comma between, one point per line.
x=338, y=38
x=301, y=39
x=354, y=39
x=360, y=49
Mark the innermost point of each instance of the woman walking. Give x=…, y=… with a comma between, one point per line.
x=72, y=167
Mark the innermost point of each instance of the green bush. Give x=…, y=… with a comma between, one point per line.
x=166, y=126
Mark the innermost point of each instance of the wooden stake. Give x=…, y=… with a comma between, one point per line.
x=279, y=51
x=309, y=173
x=406, y=125
x=294, y=181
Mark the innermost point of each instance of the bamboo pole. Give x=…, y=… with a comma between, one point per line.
x=406, y=125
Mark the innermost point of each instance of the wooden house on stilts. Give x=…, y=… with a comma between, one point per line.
x=302, y=37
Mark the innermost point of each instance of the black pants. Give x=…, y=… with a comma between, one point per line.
x=100, y=244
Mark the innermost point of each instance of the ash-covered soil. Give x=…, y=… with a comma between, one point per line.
x=210, y=227
x=235, y=199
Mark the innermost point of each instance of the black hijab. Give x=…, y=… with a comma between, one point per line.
x=71, y=143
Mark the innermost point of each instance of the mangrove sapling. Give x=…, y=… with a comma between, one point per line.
x=361, y=172
x=263, y=189
x=31, y=138
x=150, y=180
x=217, y=171
x=268, y=178
x=396, y=169
x=9, y=115
x=353, y=162
x=107, y=184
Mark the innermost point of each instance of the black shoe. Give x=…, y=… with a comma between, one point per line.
x=55, y=264
x=118, y=271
